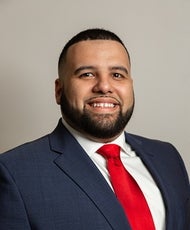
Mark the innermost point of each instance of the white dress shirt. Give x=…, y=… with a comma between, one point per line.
x=135, y=167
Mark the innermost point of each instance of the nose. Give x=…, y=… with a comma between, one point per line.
x=103, y=85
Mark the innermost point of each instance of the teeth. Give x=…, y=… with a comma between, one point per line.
x=103, y=105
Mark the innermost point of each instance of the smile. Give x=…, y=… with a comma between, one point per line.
x=103, y=105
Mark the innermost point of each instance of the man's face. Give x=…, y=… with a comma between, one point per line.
x=96, y=90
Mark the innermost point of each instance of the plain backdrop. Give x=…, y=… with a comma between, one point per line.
x=156, y=32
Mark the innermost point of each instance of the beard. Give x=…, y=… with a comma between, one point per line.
x=103, y=126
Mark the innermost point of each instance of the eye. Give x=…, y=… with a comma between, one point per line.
x=86, y=75
x=118, y=75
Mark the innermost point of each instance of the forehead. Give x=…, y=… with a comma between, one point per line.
x=96, y=49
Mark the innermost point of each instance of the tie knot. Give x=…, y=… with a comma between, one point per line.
x=109, y=151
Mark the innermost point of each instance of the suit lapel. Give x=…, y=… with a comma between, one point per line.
x=74, y=162
x=150, y=160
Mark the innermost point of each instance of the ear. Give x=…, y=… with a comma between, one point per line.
x=58, y=90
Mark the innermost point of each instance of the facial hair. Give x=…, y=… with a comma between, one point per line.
x=101, y=126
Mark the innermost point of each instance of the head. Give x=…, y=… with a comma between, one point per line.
x=95, y=88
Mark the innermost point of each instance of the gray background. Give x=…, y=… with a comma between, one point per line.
x=157, y=34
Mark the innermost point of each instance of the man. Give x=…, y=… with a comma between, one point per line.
x=61, y=181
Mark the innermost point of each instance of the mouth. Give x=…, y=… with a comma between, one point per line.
x=103, y=104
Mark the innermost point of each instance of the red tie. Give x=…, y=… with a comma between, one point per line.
x=127, y=190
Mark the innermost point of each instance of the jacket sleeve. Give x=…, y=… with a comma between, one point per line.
x=13, y=214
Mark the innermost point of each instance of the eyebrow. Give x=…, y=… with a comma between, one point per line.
x=122, y=68
x=81, y=68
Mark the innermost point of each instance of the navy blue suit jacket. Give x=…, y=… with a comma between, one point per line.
x=52, y=184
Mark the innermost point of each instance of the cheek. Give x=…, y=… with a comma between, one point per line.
x=77, y=92
x=127, y=97
x=75, y=98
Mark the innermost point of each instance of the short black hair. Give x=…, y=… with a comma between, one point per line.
x=89, y=34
